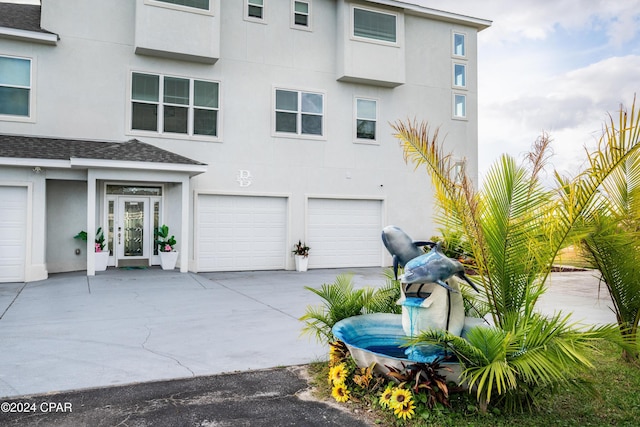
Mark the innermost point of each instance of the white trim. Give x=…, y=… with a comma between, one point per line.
x=453, y=75
x=30, y=36
x=357, y=140
x=453, y=45
x=122, y=164
x=46, y=163
x=298, y=133
x=454, y=116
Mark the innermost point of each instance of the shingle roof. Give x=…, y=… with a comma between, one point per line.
x=29, y=147
x=21, y=17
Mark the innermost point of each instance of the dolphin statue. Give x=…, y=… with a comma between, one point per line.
x=434, y=267
x=401, y=247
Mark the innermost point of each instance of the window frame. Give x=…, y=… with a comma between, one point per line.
x=190, y=9
x=309, y=15
x=160, y=105
x=299, y=113
x=246, y=17
x=356, y=118
x=454, y=109
x=352, y=32
x=31, y=115
x=454, y=83
x=453, y=44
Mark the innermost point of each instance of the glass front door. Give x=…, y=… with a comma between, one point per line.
x=134, y=236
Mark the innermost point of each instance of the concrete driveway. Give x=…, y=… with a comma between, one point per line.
x=129, y=326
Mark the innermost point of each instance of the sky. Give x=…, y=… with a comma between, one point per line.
x=558, y=67
x=554, y=66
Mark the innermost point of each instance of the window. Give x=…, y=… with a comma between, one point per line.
x=459, y=106
x=255, y=9
x=301, y=11
x=460, y=75
x=366, y=118
x=174, y=105
x=198, y=4
x=15, y=86
x=299, y=112
x=374, y=25
x=459, y=48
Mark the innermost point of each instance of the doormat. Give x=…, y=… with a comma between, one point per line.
x=140, y=267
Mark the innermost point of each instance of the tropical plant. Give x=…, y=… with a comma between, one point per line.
x=301, y=249
x=514, y=227
x=165, y=242
x=341, y=300
x=613, y=241
x=99, y=240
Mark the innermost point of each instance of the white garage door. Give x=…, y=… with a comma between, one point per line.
x=344, y=233
x=241, y=233
x=13, y=231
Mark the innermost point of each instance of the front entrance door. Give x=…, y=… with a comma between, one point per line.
x=134, y=234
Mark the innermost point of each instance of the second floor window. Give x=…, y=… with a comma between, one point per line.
x=15, y=86
x=174, y=105
x=366, y=118
x=299, y=113
x=459, y=75
x=301, y=13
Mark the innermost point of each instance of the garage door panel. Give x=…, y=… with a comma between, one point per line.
x=241, y=233
x=344, y=233
x=13, y=230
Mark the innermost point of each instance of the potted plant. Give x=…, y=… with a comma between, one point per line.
x=166, y=248
x=301, y=254
x=101, y=256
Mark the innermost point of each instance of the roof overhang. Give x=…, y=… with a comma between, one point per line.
x=29, y=36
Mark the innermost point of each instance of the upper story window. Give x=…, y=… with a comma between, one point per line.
x=299, y=113
x=301, y=12
x=15, y=87
x=198, y=4
x=459, y=106
x=459, y=75
x=366, y=119
x=174, y=105
x=459, y=45
x=374, y=25
x=254, y=10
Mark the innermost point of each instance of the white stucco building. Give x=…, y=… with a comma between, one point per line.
x=244, y=125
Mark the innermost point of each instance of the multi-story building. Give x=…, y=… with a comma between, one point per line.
x=243, y=125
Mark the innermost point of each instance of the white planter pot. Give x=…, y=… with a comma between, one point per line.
x=301, y=262
x=168, y=260
x=101, y=260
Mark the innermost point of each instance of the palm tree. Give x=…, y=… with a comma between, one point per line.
x=515, y=227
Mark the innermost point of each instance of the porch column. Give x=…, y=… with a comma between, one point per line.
x=91, y=223
x=184, y=229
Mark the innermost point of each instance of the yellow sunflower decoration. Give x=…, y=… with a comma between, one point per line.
x=340, y=392
x=385, y=398
x=401, y=402
x=338, y=373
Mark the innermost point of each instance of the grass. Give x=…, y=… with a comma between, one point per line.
x=617, y=401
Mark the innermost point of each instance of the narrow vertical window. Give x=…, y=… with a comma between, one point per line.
x=255, y=9
x=366, y=119
x=459, y=75
x=301, y=10
x=459, y=48
x=459, y=106
x=15, y=86
x=145, y=98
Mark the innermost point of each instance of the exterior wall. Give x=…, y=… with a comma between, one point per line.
x=83, y=91
x=66, y=212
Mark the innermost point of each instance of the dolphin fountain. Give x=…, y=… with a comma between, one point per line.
x=430, y=299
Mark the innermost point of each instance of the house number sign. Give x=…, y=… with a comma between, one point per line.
x=244, y=178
